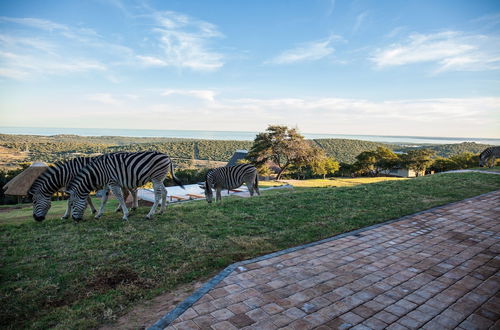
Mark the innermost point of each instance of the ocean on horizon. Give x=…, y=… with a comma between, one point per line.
x=234, y=135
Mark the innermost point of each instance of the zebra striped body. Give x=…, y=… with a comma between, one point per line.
x=51, y=181
x=54, y=179
x=488, y=156
x=122, y=170
x=231, y=177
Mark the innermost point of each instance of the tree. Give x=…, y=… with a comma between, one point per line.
x=365, y=162
x=465, y=160
x=324, y=166
x=386, y=159
x=418, y=160
x=283, y=146
x=443, y=164
x=375, y=161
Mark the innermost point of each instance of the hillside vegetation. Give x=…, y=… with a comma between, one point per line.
x=61, y=147
x=57, y=274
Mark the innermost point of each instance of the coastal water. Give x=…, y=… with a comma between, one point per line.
x=234, y=135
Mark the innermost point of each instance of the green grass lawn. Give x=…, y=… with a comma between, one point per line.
x=490, y=169
x=65, y=275
x=329, y=182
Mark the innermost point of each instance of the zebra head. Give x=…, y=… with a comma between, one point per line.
x=208, y=191
x=41, y=205
x=483, y=160
x=78, y=205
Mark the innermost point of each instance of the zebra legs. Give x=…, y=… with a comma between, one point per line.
x=104, y=200
x=126, y=193
x=253, y=187
x=256, y=185
x=160, y=192
x=117, y=191
x=135, y=202
x=218, y=196
x=89, y=200
x=68, y=209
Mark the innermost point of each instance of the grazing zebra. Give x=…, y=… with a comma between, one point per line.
x=488, y=156
x=122, y=170
x=230, y=177
x=56, y=178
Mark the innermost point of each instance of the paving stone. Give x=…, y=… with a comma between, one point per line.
x=224, y=325
x=386, y=317
x=272, y=308
x=241, y=320
x=294, y=313
x=434, y=270
x=222, y=314
x=187, y=325
x=476, y=322
x=351, y=318
x=281, y=320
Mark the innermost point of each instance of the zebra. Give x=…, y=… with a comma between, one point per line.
x=57, y=177
x=488, y=156
x=122, y=170
x=230, y=177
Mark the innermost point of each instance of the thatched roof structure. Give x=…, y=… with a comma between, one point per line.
x=238, y=154
x=21, y=183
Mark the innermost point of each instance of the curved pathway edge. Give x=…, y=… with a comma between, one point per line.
x=171, y=316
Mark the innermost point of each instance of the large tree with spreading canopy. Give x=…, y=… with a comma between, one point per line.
x=283, y=146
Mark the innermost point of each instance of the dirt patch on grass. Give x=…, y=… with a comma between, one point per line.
x=111, y=278
x=147, y=313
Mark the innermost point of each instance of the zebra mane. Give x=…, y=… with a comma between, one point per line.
x=485, y=152
x=52, y=172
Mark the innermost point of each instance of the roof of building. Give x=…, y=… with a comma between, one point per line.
x=21, y=183
x=238, y=154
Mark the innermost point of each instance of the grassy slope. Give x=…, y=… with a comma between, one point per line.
x=65, y=275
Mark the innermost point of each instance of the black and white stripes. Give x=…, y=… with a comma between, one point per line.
x=122, y=170
x=54, y=179
x=488, y=156
x=231, y=177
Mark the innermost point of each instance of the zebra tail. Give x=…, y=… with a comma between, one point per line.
x=176, y=180
x=257, y=181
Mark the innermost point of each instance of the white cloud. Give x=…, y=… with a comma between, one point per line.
x=310, y=51
x=359, y=21
x=35, y=23
x=104, y=98
x=473, y=117
x=26, y=54
x=184, y=43
x=151, y=61
x=32, y=47
x=206, y=95
x=450, y=50
x=427, y=117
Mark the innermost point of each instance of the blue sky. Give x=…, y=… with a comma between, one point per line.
x=429, y=68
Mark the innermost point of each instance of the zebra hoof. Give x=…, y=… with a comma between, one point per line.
x=64, y=217
x=97, y=216
x=94, y=211
x=147, y=217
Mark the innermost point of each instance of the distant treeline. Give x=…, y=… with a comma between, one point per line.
x=61, y=147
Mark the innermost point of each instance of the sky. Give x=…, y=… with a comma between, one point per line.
x=420, y=68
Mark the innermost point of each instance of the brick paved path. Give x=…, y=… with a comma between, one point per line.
x=435, y=270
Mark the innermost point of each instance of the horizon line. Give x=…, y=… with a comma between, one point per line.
x=242, y=131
